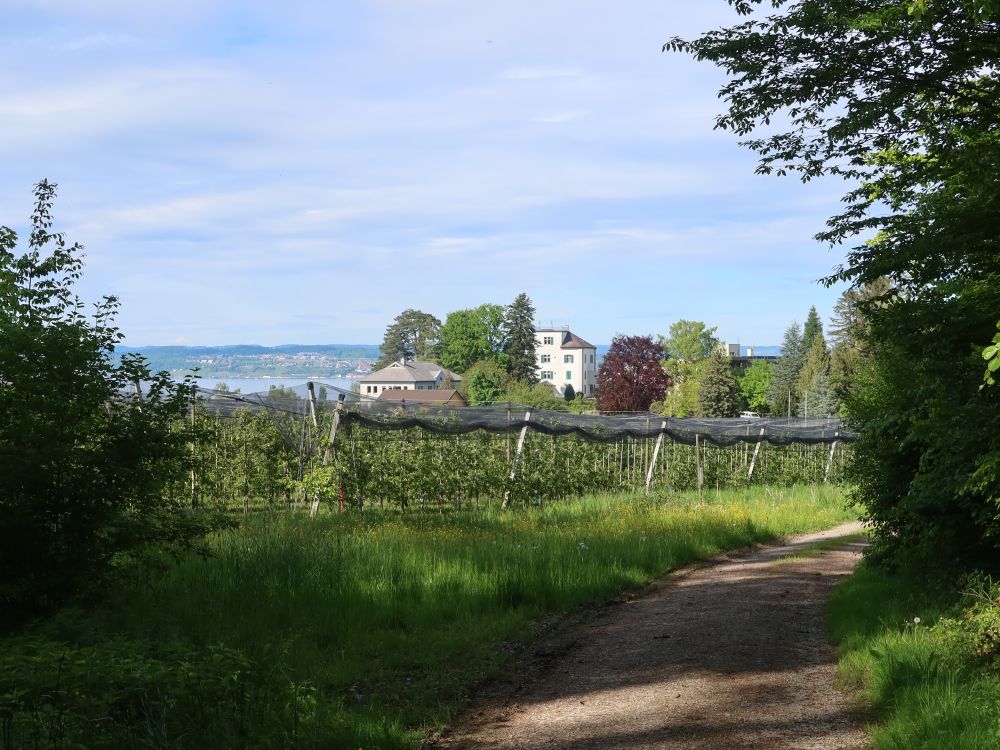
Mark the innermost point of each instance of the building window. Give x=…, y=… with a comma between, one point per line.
x=548, y=375
x=547, y=340
x=569, y=374
x=546, y=358
x=567, y=359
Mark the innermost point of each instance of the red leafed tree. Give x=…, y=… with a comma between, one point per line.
x=631, y=378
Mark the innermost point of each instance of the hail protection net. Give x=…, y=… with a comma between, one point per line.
x=291, y=409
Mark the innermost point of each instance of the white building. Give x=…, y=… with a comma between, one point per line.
x=562, y=358
x=408, y=375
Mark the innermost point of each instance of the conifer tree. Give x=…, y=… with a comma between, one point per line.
x=719, y=393
x=412, y=335
x=519, y=335
x=783, y=393
x=816, y=396
x=812, y=329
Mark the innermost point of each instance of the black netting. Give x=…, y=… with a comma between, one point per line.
x=289, y=406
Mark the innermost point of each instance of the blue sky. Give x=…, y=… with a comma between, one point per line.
x=256, y=172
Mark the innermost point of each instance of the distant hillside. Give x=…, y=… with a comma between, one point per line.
x=252, y=361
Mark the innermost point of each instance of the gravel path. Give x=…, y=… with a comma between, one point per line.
x=728, y=654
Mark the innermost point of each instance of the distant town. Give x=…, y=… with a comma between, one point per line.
x=348, y=361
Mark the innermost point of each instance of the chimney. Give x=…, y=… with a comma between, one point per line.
x=402, y=360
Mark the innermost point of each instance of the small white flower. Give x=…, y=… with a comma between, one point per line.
x=916, y=620
x=583, y=545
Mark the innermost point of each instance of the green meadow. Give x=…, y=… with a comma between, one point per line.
x=352, y=629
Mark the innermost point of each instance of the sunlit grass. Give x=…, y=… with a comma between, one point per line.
x=368, y=628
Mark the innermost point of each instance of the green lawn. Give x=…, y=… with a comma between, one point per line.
x=351, y=630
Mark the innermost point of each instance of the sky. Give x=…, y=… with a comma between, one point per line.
x=301, y=172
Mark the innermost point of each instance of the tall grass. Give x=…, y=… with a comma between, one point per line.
x=356, y=629
x=924, y=659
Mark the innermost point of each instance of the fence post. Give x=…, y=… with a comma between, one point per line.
x=517, y=456
x=697, y=458
x=314, y=508
x=756, y=450
x=656, y=453
x=829, y=461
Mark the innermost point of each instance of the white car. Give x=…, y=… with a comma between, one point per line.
x=749, y=415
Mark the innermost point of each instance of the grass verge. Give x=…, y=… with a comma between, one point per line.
x=351, y=630
x=926, y=662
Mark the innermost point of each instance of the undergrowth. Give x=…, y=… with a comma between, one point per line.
x=925, y=660
x=350, y=630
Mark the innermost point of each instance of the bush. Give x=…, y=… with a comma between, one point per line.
x=85, y=467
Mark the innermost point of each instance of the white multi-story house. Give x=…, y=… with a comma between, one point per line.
x=408, y=375
x=562, y=358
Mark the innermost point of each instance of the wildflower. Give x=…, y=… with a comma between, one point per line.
x=916, y=620
x=583, y=545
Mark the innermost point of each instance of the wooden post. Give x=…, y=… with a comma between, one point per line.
x=194, y=455
x=314, y=508
x=311, y=393
x=829, y=461
x=656, y=453
x=756, y=450
x=697, y=458
x=517, y=456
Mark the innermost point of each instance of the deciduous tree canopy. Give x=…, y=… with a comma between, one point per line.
x=902, y=99
x=631, y=376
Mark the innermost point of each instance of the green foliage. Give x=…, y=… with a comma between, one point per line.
x=685, y=380
x=926, y=661
x=812, y=329
x=849, y=328
x=905, y=106
x=519, y=339
x=470, y=336
x=719, y=393
x=568, y=393
x=87, y=472
x=485, y=383
x=992, y=356
x=783, y=395
x=755, y=385
x=365, y=628
x=690, y=341
x=817, y=397
x=538, y=396
x=413, y=334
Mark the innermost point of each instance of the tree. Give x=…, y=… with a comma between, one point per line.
x=569, y=393
x=755, y=385
x=86, y=468
x=816, y=396
x=519, y=337
x=783, y=395
x=690, y=341
x=485, y=383
x=719, y=393
x=469, y=336
x=631, y=377
x=412, y=335
x=904, y=105
x=812, y=329
x=848, y=329
x=687, y=347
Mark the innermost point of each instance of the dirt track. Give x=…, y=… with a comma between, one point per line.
x=732, y=654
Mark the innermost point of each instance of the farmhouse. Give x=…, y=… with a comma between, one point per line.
x=408, y=375
x=563, y=358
